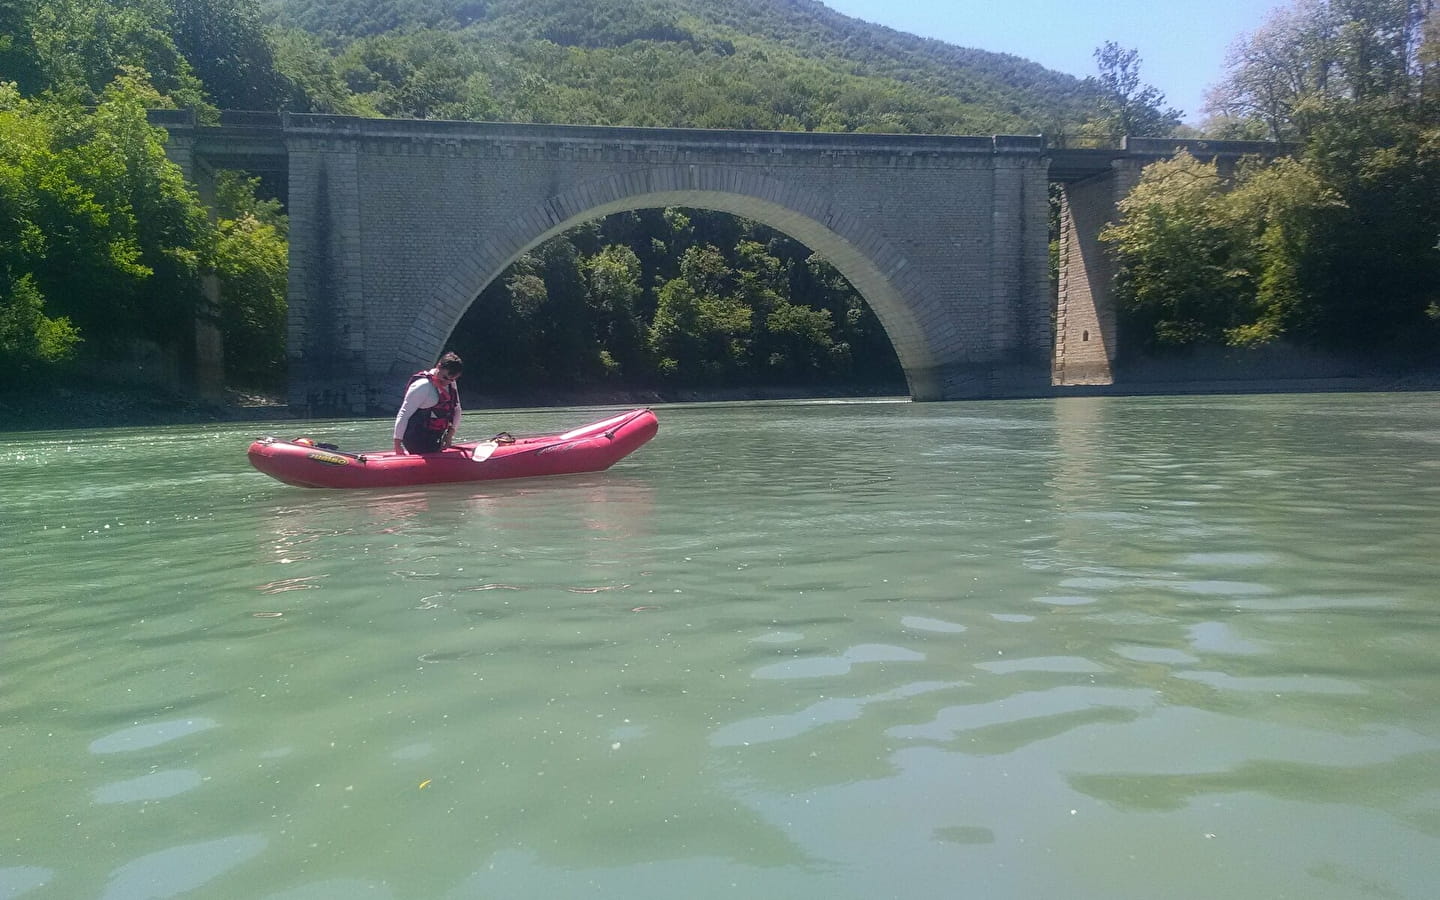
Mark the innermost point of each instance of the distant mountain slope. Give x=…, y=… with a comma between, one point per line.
x=775, y=64
x=967, y=74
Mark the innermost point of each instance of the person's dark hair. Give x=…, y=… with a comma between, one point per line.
x=450, y=362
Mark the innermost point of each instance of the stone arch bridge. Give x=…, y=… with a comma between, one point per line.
x=396, y=226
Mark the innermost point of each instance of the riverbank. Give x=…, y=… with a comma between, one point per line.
x=129, y=407
x=66, y=408
x=96, y=407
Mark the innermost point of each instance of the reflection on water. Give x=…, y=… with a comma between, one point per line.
x=1083, y=648
x=150, y=734
x=182, y=869
x=155, y=786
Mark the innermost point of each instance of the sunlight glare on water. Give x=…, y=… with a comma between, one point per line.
x=1081, y=648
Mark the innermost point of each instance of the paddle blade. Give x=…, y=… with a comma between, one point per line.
x=483, y=450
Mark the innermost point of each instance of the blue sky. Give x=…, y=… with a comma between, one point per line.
x=1182, y=43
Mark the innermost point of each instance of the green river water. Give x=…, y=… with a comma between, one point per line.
x=1080, y=648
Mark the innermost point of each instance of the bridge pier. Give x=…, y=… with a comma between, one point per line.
x=325, y=343
x=1092, y=184
x=1085, y=319
x=207, y=352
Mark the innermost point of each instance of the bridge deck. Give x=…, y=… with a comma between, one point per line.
x=256, y=141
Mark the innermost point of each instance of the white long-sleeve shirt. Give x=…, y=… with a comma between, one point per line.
x=422, y=394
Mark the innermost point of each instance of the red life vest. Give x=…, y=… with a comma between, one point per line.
x=426, y=429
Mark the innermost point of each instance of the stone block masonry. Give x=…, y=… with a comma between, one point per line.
x=398, y=225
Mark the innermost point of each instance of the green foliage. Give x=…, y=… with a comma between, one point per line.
x=1337, y=248
x=600, y=25
x=1306, y=57
x=30, y=340
x=613, y=279
x=1179, y=278
x=229, y=51
x=1275, y=212
x=19, y=56
x=252, y=263
x=1124, y=105
x=1202, y=262
x=197, y=53
x=99, y=236
x=336, y=20
x=171, y=229
x=681, y=63
x=312, y=77
x=1376, y=265
x=73, y=49
x=714, y=300
x=699, y=322
x=422, y=76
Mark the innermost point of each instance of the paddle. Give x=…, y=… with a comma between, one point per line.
x=483, y=449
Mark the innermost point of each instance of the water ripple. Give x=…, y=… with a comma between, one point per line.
x=765, y=729
x=827, y=666
x=155, y=786
x=1296, y=684
x=1033, y=706
x=17, y=880
x=1082, y=648
x=153, y=734
x=176, y=870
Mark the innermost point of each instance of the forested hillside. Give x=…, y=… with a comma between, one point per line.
x=768, y=64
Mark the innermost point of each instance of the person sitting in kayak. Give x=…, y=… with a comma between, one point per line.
x=430, y=412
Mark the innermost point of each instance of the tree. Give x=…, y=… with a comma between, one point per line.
x=1277, y=212
x=699, y=323
x=1309, y=56
x=172, y=229
x=77, y=47
x=418, y=75
x=862, y=350
x=312, y=79
x=566, y=339
x=29, y=339
x=1377, y=264
x=100, y=238
x=1179, y=280
x=789, y=340
x=1352, y=82
x=613, y=279
x=1124, y=105
x=19, y=57
x=252, y=262
x=229, y=50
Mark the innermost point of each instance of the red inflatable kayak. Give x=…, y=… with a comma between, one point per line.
x=589, y=448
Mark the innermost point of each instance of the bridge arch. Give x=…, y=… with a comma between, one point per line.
x=396, y=227
x=882, y=275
